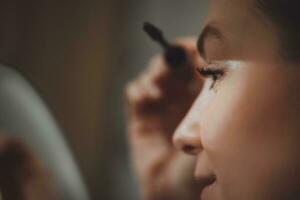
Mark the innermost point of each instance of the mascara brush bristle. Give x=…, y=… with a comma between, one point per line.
x=152, y=31
x=174, y=55
x=155, y=34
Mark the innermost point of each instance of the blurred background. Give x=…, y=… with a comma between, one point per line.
x=79, y=55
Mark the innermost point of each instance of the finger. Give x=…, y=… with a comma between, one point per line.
x=143, y=97
x=159, y=81
x=164, y=76
x=140, y=90
x=190, y=45
x=158, y=71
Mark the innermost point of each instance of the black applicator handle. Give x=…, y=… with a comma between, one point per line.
x=175, y=56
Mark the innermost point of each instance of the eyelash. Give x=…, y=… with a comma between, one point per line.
x=214, y=74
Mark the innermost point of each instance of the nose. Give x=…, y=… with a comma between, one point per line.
x=187, y=138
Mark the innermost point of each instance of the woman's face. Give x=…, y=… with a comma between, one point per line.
x=244, y=129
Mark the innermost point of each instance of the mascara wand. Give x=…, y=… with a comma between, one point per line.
x=175, y=56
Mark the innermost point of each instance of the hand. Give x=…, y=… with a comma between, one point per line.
x=157, y=102
x=22, y=175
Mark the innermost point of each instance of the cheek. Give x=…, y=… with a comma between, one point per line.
x=250, y=130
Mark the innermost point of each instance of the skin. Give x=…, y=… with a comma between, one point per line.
x=164, y=172
x=244, y=132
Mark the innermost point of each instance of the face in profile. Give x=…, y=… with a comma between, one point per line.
x=244, y=127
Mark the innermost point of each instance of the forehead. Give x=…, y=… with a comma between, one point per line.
x=233, y=3
x=244, y=31
x=232, y=12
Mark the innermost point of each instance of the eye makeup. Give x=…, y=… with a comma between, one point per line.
x=217, y=71
x=214, y=74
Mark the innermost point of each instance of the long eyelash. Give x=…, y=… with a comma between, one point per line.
x=215, y=74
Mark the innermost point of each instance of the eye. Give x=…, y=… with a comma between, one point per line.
x=215, y=74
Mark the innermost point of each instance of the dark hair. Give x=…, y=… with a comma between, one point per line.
x=285, y=15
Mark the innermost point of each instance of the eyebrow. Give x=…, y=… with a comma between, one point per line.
x=208, y=31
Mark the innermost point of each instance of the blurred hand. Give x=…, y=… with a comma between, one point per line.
x=157, y=102
x=22, y=176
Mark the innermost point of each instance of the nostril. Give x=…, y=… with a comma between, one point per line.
x=189, y=149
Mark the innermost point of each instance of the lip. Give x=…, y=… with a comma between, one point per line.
x=204, y=175
x=205, y=192
x=208, y=183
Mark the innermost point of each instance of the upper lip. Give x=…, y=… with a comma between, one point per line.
x=204, y=175
x=204, y=181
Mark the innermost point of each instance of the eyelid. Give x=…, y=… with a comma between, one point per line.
x=221, y=68
x=216, y=65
